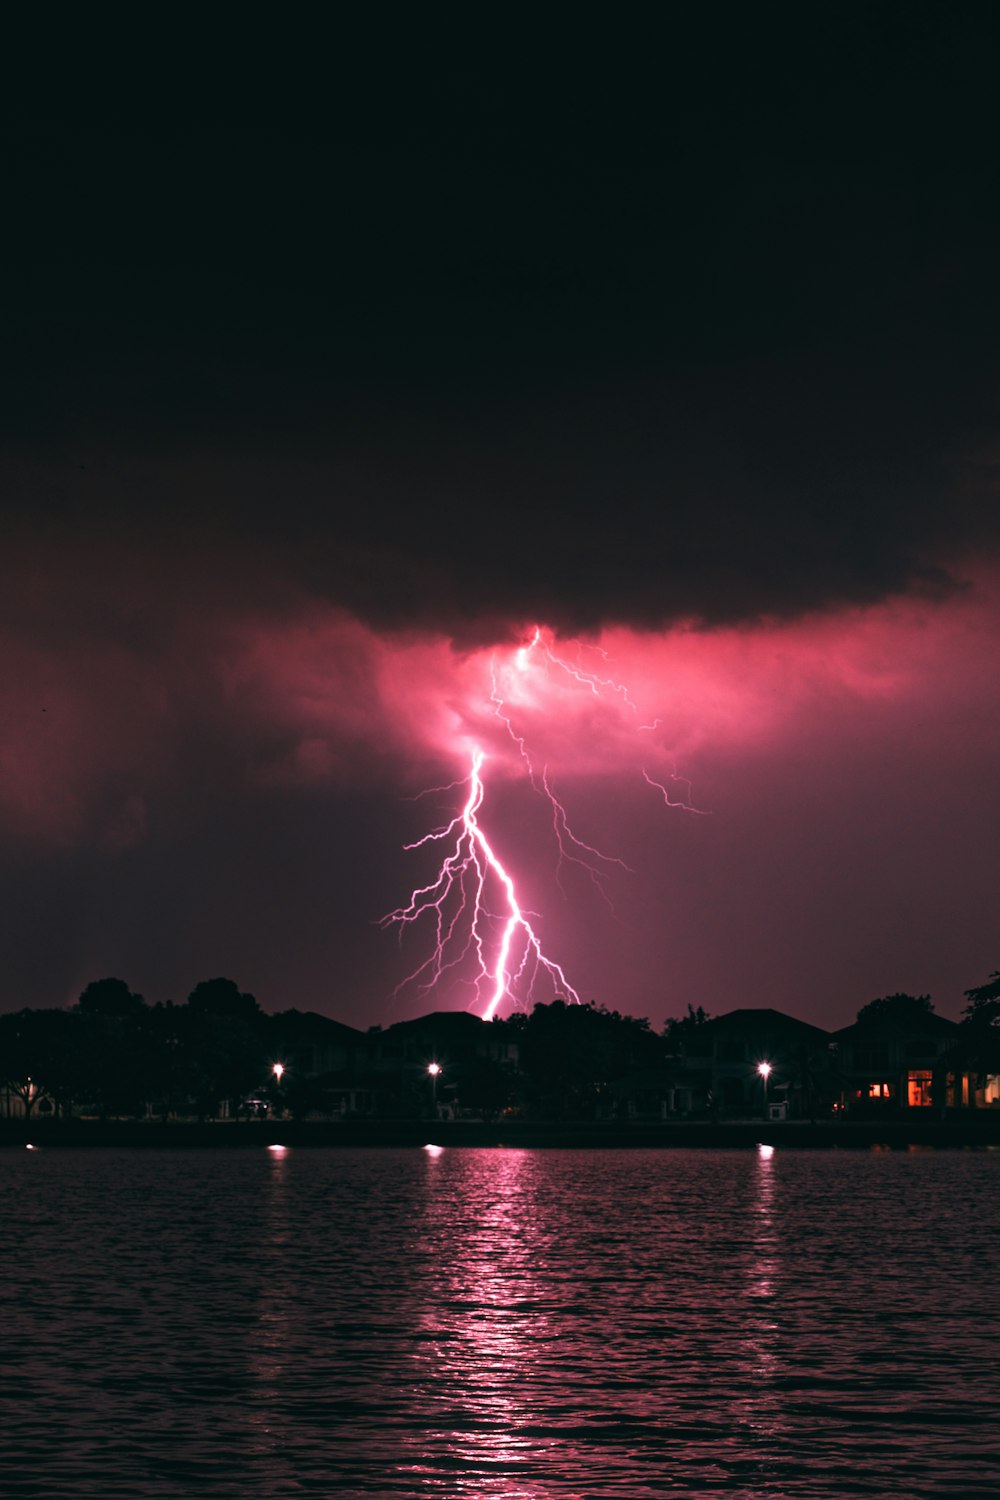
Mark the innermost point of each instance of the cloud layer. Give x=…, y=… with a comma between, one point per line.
x=843, y=763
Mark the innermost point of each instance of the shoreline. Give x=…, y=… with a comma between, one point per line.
x=896, y=1135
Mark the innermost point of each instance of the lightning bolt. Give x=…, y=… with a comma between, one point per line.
x=508, y=965
x=471, y=905
x=685, y=805
x=588, y=679
x=572, y=850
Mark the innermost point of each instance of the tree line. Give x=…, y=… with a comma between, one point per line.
x=112, y=1054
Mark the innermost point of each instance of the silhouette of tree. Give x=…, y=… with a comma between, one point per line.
x=979, y=1038
x=983, y=1008
x=222, y=997
x=811, y=1071
x=570, y=1053
x=896, y=1010
x=162, y=1060
x=224, y=1051
x=109, y=1064
x=679, y=1031
x=40, y=1056
x=110, y=997
x=486, y=1085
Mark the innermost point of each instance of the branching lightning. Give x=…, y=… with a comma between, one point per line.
x=482, y=933
x=684, y=802
x=572, y=849
x=460, y=891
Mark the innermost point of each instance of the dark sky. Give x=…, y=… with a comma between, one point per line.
x=335, y=363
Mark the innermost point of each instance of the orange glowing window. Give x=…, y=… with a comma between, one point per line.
x=878, y=1091
x=918, y=1087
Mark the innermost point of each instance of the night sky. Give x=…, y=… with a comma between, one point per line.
x=335, y=364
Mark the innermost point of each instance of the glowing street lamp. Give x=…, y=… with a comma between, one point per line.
x=764, y=1069
x=433, y=1070
x=277, y=1095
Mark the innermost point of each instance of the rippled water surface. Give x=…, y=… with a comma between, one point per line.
x=499, y=1323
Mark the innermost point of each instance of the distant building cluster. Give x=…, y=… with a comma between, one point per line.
x=885, y=1065
x=220, y=1057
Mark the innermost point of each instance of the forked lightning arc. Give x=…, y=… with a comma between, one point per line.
x=480, y=928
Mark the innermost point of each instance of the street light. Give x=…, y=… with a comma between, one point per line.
x=434, y=1070
x=277, y=1073
x=764, y=1069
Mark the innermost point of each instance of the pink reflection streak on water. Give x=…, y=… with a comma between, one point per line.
x=763, y=1411
x=269, y=1350
x=492, y=1302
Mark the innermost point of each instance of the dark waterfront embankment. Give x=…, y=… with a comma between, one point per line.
x=953, y=1134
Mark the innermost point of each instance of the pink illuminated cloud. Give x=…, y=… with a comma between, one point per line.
x=609, y=703
x=642, y=789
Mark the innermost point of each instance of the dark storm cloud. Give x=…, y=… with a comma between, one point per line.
x=698, y=325
x=716, y=499
x=303, y=410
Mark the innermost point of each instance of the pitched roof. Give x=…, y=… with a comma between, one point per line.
x=309, y=1025
x=762, y=1019
x=928, y=1024
x=441, y=1020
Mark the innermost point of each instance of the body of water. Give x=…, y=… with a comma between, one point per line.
x=499, y=1323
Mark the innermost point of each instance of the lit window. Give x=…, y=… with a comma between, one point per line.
x=918, y=1087
x=878, y=1091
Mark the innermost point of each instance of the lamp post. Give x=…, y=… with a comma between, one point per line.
x=278, y=1071
x=764, y=1069
x=433, y=1070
